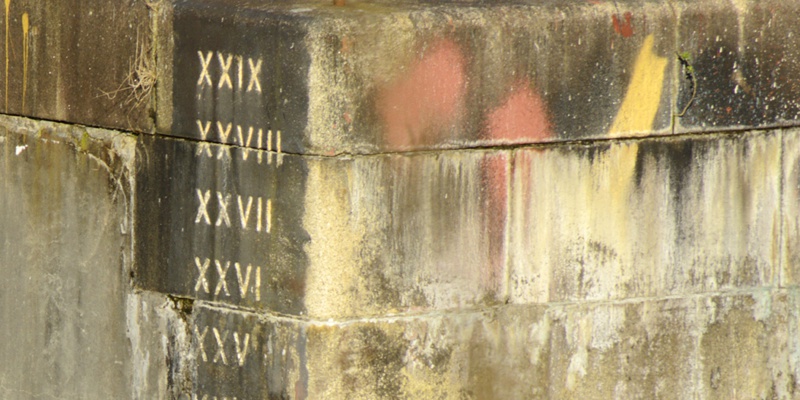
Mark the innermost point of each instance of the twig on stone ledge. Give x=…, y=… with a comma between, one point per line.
x=685, y=58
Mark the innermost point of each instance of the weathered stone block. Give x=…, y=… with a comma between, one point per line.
x=743, y=56
x=646, y=218
x=84, y=61
x=65, y=255
x=718, y=346
x=790, y=272
x=709, y=347
x=323, y=237
x=158, y=345
x=382, y=77
x=243, y=356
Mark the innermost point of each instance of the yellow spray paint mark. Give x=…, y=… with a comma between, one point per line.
x=639, y=108
x=25, y=29
x=610, y=190
x=8, y=11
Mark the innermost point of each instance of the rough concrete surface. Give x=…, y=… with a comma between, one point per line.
x=321, y=237
x=67, y=325
x=716, y=346
x=642, y=218
x=400, y=200
x=627, y=267
x=399, y=76
x=83, y=61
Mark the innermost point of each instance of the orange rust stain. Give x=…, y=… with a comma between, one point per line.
x=623, y=28
x=522, y=117
x=419, y=105
x=346, y=44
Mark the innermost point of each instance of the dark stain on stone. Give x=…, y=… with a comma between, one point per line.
x=715, y=378
x=171, y=241
x=383, y=288
x=205, y=33
x=379, y=359
x=591, y=152
x=674, y=156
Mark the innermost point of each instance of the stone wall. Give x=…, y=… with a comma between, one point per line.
x=406, y=199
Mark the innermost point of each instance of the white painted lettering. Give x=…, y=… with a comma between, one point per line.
x=222, y=282
x=228, y=211
x=255, y=70
x=243, y=283
x=258, y=216
x=246, y=144
x=260, y=132
x=269, y=215
x=223, y=209
x=258, y=284
x=203, y=129
x=269, y=146
x=278, y=145
x=240, y=70
x=205, y=76
x=202, y=209
x=224, y=132
x=225, y=67
x=241, y=354
x=201, y=274
x=203, y=135
x=220, y=346
x=226, y=64
x=244, y=212
x=200, y=339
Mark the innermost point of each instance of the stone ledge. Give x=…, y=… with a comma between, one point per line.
x=372, y=78
x=81, y=61
x=636, y=350
x=344, y=237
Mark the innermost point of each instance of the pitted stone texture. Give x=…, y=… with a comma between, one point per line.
x=405, y=233
x=744, y=55
x=790, y=273
x=712, y=347
x=156, y=331
x=369, y=78
x=319, y=236
x=65, y=255
x=84, y=61
x=655, y=217
x=717, y=346
x=401, y=76
x=243, y=356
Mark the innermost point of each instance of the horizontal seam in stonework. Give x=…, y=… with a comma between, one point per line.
x=400, y=317
x=507, y=147
x=722, y=133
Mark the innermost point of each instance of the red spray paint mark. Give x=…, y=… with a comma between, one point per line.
x=521, y=118
x=495, y=216
x=623, y=28
x=418, y=105
x=300, y=391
